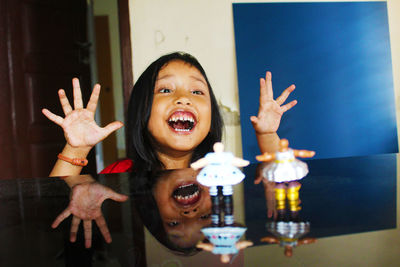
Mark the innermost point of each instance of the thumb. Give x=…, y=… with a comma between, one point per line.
x=111, y=127
x=117, y=197
x=254, y=120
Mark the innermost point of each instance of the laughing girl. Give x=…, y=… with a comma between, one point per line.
x=173, y=119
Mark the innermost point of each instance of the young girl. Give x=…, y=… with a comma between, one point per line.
x=173, y=119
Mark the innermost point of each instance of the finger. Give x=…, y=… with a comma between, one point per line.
x=117, y=197
x=53, y=117
x=101, y=223
x=64, y=102
x=74, y=228
x=288, y=106
x=87, y=226
x=61, y=218
x=263, y=89
x=113, y=126
x=285, y=94
x=77, y=94
x=94, y=98
x=268, y=85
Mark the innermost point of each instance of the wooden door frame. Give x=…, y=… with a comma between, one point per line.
x=127, y=85
x=126, y=50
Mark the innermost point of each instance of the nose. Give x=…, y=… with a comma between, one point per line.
x=182, y=99
x=190, y=213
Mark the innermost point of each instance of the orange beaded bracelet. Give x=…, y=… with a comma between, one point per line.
x=74, y=161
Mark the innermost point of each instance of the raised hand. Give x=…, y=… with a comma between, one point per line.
x=270, y=111
x=80, y=128
x=85, y=204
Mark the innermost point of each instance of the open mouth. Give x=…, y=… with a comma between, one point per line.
x=187, y=194
x=182, y=121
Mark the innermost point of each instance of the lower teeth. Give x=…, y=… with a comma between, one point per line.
x=182, y=130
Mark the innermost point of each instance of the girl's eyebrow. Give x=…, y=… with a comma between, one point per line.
x=191, y=76
x=199, y=79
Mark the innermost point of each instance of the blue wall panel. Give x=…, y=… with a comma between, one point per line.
x=338, y=56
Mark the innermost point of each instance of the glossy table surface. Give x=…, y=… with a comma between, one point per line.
x=350, y=203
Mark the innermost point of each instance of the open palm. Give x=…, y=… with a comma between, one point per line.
x=85, y=204
x=80, y=128
x=270, y=111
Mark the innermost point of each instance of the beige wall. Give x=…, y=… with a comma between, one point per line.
x=203, y=28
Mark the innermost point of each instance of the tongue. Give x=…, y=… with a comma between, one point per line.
x=181, y=125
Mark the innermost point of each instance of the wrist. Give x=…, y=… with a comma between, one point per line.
x=75, y=152
x=266, y=134
x=268, y=142
x=65, y=168
x=78, y=180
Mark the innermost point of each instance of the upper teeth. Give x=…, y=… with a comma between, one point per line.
x=182, y=118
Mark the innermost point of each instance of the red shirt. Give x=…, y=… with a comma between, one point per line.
x=124, y=165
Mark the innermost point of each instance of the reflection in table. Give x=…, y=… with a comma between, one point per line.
x=351, y=204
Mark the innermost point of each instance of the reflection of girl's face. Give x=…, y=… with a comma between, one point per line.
x=184, y=205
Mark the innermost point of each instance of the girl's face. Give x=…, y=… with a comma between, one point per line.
x=180, y=116
x=184, y=206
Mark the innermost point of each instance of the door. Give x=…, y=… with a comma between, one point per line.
x=45, y=46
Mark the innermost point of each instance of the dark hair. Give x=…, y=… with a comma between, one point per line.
x=140, y=142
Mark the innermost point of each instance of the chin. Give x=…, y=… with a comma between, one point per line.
x=182, y=145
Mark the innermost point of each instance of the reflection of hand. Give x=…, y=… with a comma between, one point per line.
x=270, y=111
x=80, y=128
x=85, y=204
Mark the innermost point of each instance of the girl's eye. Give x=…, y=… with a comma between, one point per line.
x=197, y=92
x=165, y=90
x=173, y=224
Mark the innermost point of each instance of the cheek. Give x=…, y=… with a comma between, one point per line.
x=164, y=204
x=168, y=213
x=207, y=205
x=161, y=193
x=206, y=111
x=155, y=118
